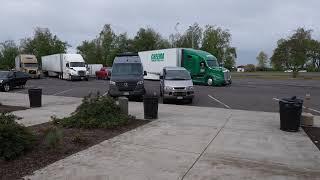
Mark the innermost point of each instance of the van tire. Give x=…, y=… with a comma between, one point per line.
x=210, y=81
x=6, y=87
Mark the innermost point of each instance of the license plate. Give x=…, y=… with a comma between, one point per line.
x=126, y=93
x=179, y=97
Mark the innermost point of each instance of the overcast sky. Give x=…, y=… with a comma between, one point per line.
x=254, y=24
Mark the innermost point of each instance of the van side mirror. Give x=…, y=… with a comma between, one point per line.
x=145, y=73
x=67, y=65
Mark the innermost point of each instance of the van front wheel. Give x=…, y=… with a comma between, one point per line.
x=209, y=81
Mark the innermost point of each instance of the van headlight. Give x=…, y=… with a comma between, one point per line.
x=112, y=83
x=140, y=83
x=168, y=88
x=190, y=88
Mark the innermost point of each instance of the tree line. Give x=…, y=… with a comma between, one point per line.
x=296, y=52
x=107, y=44
x=299, y=51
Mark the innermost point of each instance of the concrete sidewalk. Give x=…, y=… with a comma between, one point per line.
x=194, y=143
x=51, y=106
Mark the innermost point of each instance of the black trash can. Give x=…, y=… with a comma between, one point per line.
x=150, y=106
x=35, y=97
x=290, y=114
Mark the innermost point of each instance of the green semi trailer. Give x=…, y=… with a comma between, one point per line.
x=203, y=66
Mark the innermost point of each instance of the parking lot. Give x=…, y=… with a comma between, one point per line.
x=246, y=94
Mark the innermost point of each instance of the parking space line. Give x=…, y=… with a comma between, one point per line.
x=219, y=101
x=61, y=92
x=106, y=93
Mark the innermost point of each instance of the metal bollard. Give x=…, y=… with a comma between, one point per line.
x=123, y=104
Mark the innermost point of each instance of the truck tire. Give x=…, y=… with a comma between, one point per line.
x=210, y=81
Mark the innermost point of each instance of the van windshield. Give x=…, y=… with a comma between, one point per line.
x=77, y=64
x=127, y=69
x=35, y=65
x=177, y=75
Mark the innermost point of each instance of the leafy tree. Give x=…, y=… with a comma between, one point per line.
x=90, y=51
x=43, y=43
x=8, y=51
x=250, y=67
x=148, y=39
x=190, y=39
x=262, y=59
x=314, y=56
x=218, y=42
x=296, y=52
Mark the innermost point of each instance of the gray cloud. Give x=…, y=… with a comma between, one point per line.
x=255, y=25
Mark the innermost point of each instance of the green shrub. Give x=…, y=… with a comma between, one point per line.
x=95, y=112
x=53, y=137
x=15, y=139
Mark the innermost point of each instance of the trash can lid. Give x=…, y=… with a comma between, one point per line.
x=292, y=100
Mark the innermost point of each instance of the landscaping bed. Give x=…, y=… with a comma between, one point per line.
x=314, y=135
x=26, y=149
x=73, y=141
x=6, y=109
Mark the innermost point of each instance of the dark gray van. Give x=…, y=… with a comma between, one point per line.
x=127, y=76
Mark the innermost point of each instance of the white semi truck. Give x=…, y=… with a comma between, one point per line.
x=65, y=66
x=29, y=64
x=203, y=66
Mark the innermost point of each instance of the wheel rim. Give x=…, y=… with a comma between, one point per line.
x=6, y=87
x=209, y=82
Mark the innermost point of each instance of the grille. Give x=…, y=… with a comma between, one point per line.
x=32, y=72
x=81, y=73
x=179, y=93
x=227, y=76
x=126, y=86
x=179, y=88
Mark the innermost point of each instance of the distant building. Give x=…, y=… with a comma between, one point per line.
x=240, y=68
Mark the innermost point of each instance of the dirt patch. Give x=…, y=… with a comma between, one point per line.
x=74, y=140
x=7, y=109
x=314, y=135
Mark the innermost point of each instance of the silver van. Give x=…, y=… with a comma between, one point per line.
x=176, y=84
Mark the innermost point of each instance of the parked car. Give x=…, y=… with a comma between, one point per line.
x=103, y=73
x=127, y=77
x=176, y=84
x=12, y=79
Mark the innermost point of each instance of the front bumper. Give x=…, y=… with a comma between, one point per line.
x=137, y=92
x=178, y=95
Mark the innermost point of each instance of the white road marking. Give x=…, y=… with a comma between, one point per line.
x=61, y=92
x=105, y=93
x=276, y=99
x=219, y=101
x=313, y=110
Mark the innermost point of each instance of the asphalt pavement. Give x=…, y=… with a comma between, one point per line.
x=245, y=94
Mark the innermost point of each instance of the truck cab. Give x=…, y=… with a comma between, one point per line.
x=28, y=64
x=204, y=68
x=76, y=70
x=176, y=84
x=127, y=76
